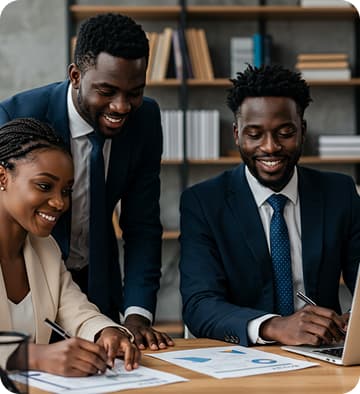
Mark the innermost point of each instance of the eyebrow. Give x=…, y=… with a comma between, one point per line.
x=107, y=85
x=54, y=177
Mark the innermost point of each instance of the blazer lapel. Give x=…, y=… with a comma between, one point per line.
x=248, y=221
x=40, y=293
x=6, y=324
x=312, y=219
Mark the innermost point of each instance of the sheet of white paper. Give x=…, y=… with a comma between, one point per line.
x=231, y=361
x=121, y=380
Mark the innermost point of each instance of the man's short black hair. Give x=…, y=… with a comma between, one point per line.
x=118, y=35
x=273, y=80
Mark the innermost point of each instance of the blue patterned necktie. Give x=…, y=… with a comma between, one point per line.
x=281, y=258
x=98, y=284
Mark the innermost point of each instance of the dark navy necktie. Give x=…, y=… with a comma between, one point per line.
x=98, y=286
x=281, y=258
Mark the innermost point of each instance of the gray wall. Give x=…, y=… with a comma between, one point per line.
x=33, y=44
x=33, y=52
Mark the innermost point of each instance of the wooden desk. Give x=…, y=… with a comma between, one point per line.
x=326, y=378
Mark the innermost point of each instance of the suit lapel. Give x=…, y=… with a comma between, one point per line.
x=312, y=221
x=57, y=113
x=247, y=218
x=40, y=293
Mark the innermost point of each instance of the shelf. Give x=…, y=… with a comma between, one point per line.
x=234, y=160
x=225, y=83
x=80, y=12
x=269, y=12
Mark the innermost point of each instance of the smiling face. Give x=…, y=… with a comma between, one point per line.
x=37, y=191
x=105, y=94
x=270, y=134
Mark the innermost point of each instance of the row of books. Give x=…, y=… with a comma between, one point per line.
x=339, y=145
x=322, y=66
x=178, y=52
x=202, y=134
x=255, y=50
x=324, y=3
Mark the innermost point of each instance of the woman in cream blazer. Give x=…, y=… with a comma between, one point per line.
x=36, y=177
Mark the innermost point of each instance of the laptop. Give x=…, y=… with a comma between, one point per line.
x=347, y=353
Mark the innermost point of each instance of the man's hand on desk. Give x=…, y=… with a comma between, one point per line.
x=117, y=344
x=145, y=335
x=312, y=325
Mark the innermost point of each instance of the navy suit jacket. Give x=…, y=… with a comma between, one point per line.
x=226, y=272
x=133, y=178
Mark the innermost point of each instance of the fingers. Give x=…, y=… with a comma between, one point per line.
x=312, y=325
x=324, y=323
x=156, y=340
x=116, y=343
x=145, y=335
x=131, y=355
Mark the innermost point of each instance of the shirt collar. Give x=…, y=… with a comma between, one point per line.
x=78, y=126
x=261, y=193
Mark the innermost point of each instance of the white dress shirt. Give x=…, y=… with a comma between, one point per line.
x=293, y=222
x=80, y=214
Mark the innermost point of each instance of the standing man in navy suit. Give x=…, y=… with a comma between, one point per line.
x=227, y=271
x=104, y=96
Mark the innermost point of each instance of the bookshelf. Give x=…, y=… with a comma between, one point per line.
x=288, y=23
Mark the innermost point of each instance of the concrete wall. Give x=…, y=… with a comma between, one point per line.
x=33, y=52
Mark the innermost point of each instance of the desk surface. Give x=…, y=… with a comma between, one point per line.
x=326, y=378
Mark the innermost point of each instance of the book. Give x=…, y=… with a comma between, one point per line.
x=178, y=58
x=185, y=54
x=205, y=54
x=326, y=74
x=152, y=37
x=165, y=54
x=258, y=50
x=241, y=54
x=324, y=3
x=195, y=61
x=339, y=140
x=314, y=57
x=322, y=64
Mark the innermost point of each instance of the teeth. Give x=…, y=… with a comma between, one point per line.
x=270, y=163
x=47, y=217
x=112, y=120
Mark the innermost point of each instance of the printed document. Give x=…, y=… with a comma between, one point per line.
x=115, y=380
x=231, y=361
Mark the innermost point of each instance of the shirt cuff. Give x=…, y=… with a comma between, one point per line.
x=254, y=327
x=138, y=311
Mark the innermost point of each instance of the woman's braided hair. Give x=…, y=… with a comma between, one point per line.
x=22, y=136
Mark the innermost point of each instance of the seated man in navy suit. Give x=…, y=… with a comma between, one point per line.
x=102, y=104
x=241, y=265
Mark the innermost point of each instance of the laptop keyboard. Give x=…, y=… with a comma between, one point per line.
x=336, y=351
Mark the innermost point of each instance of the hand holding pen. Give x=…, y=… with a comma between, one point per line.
x=309, y=301
x=313, y=325
x=112, y=342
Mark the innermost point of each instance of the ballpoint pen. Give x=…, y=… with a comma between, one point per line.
x=309, y=301
x=58, y=329
x=306, y=299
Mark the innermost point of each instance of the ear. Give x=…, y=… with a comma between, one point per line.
x=4, y=176
x=303, y=129
x=74, y=75
x=236, y=133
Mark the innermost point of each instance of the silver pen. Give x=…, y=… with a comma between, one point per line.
x=305, y=298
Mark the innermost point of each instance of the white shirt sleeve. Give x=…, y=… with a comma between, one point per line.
x=254, y=327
